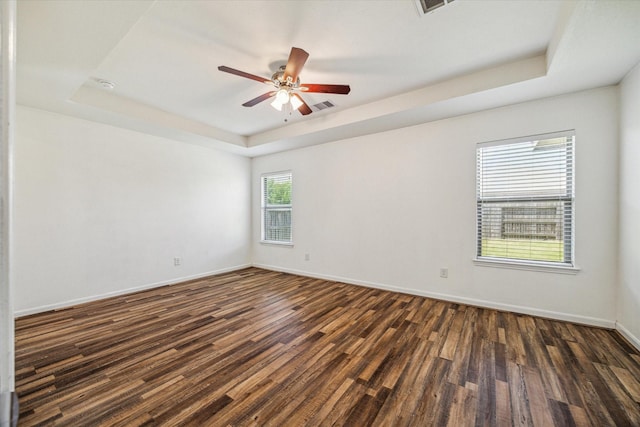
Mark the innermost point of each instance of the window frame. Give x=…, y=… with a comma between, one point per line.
x=565, y=266
x=264, y=208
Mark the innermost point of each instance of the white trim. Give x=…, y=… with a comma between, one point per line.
x=7, y=143
x=574, y=318
x=524, y=265
x=635, y=341
x=276, y=243
x=71, y=303
x=537, y=137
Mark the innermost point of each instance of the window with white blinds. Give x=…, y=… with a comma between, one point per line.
x=276, y=207
x=525, y=199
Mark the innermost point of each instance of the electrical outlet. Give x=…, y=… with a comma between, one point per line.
x=444, y=273
x=177, y=261
x=307, y=257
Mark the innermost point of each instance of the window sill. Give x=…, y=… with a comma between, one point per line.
x=529, y=266
x=276, y=243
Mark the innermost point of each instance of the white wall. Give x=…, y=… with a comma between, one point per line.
x=101, y=210
x=390, y=209
x=629, y=290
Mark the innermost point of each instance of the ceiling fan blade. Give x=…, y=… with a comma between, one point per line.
x=259, y=99
x=243, y=74
x=339, y=89
x=296, y=61
x=304, y=108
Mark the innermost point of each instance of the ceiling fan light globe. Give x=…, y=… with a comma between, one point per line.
x=295, y=102
x=282, y=96
x=277, y=104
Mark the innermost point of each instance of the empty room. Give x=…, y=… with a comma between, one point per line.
x=318, y=213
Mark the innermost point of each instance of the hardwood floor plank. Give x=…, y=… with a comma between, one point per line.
x=503, y=404
x=434, y=404
x=630, y=383
x=561, y=414
x=538, y=402
x=628, y=413
x=596, y=405
x=520, y=411
x=569, y=386
x=486, y=413
x=410, y=387
x=261, y=348
x=452, y=337
x=500, y=361
x=580, y=417
x=515, y=349
x=460, y=373
x=463, y=408
x=364, y=411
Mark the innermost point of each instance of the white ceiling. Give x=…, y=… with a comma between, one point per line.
x=404, y=68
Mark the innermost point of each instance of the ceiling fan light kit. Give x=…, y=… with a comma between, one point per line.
x=295, y=102
x=286, y=81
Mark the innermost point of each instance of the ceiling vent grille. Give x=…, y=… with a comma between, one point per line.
x=427, y=6
x=323, y=105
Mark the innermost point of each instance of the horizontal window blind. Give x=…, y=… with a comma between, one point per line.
x=525, y=199
x=276, y=207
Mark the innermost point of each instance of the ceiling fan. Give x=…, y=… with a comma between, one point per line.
x=286, y=82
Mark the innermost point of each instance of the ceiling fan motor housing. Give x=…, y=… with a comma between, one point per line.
x=279, y=81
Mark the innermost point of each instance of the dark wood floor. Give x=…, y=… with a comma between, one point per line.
x=256, y=347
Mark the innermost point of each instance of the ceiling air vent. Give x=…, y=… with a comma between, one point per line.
x=323, y=105
x=427, y=6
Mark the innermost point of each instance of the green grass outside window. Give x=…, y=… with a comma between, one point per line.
x=533, y=250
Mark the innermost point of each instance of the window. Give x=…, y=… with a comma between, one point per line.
x=525, y=199
x=276, y=207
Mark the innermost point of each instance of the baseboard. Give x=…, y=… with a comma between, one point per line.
x=591, y=321
x=633, y=340
x=532, y=311
x=71, y=303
